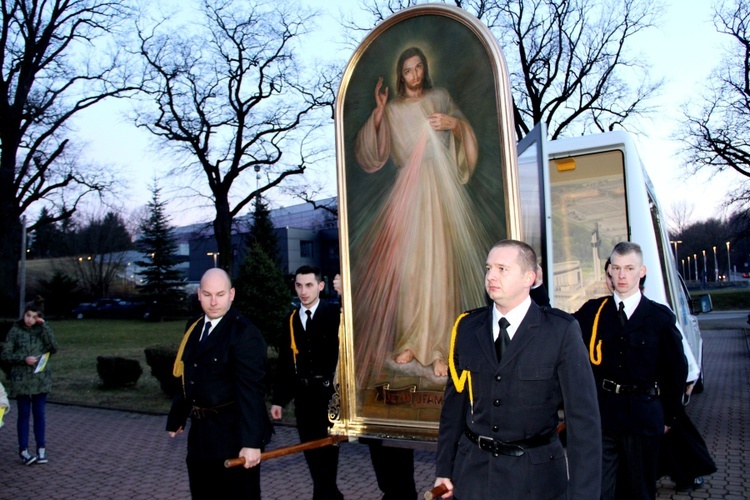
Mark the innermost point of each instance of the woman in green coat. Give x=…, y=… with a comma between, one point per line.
x=29, y=344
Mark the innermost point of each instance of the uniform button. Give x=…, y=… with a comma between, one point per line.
x=495, y=428
x=497, y=402
x=191, y=382
x=195, y=365
x=498, y=378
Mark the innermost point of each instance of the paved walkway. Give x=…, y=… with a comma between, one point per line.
x=104, y=454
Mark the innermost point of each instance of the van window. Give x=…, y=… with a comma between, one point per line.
x=589, y=217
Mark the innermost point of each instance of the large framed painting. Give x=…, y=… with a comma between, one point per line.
x=427, y=183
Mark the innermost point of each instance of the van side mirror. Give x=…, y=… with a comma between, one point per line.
x=701, y=304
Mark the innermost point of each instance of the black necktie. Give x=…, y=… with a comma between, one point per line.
x=309, y=320
x=206, y=328
x=621, y=314
x=502, y=338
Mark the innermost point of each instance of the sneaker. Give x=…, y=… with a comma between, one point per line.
x=41, y=456
x=27, y=458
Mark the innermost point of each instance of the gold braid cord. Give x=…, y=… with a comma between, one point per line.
x=465, y=377
x=178, y=370
x=295, y=351
x=596, y=357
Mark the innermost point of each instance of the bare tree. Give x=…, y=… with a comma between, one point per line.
x=679, y=215
x=567, y=58
x=102, y=245
x=53, y=67
x=717, y=134
x=230, y=98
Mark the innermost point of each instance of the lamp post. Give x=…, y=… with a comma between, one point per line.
x=688, y=268
x=215, y=256
x=716, y=267
x=695, y=260
x=683, y=268
x=729, y=264
x=676, y=255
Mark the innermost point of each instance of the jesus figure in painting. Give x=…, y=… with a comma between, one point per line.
x=420, y=262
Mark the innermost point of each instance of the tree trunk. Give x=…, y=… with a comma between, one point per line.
x=10, y=239
x=223, y=234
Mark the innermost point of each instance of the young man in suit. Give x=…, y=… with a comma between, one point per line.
x=640, y=369
x=512, y=366
x=308, y=357
x=222, y=362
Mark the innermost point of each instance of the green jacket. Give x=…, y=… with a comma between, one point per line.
x=24, y=341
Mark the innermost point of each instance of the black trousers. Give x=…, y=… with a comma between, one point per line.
x=311, y=411
x=630, y=464
x=210, y=480
x=394, y=470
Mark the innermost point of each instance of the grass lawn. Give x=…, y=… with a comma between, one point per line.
x=74, y=377
x=726, y=299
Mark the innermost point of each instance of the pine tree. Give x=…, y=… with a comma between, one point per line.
x=262, y=231
x=162, y=283
x=262, y=295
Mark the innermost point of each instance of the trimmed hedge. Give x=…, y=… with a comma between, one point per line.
x=161, y=360
x=117, y=372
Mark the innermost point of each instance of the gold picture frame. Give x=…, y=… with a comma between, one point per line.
x=426, y=184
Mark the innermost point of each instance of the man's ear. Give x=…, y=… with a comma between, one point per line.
x=529, y=278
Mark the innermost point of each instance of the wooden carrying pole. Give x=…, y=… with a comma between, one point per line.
x=436, y=492
x=288, y=450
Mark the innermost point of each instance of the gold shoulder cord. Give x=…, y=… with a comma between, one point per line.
x=596, y=358
x=459, y=382
x=178, y=370
x=293, y=345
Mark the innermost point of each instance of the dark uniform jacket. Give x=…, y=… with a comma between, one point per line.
x=317, y=357
x=544, y=367
x=646, y=352
x=227, y=374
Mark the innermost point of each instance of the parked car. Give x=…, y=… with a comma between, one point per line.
x=111, y=309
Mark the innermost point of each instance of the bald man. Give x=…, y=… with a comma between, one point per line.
x=222, y=362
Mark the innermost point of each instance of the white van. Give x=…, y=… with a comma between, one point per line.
x=597, y=193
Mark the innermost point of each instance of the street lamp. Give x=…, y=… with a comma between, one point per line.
x=716, y=267
x=676, y=256
x=215, y=256
x=683, y=268
x=705, y=271
x=695, y=260
x=688, y=268
x=729, y=264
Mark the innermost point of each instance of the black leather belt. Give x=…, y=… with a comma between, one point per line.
x=200, y=413
x=612, y=386
x=510, y=448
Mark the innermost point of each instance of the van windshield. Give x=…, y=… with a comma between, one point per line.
x=589, y=217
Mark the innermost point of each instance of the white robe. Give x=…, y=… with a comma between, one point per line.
x=421, y=261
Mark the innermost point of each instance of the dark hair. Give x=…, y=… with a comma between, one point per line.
x=626, y=247
x=526, y=254
x=36, y=305
x=409, y=53
x=310, y=270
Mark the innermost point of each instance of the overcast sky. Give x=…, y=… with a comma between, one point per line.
x=684, y=49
